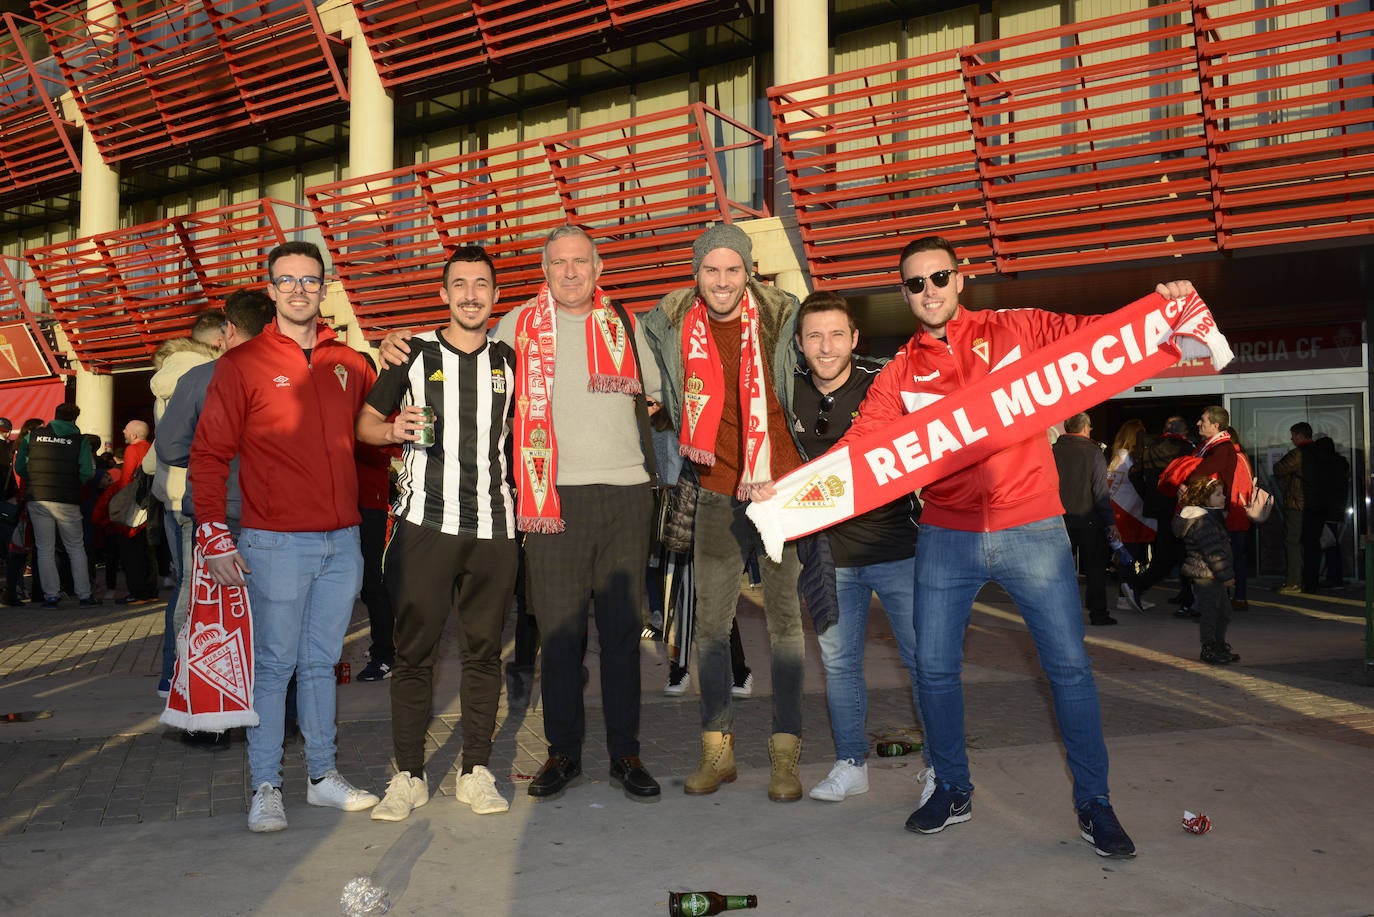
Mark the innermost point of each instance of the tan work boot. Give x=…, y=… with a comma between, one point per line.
x=717, y=764
x=784, y=751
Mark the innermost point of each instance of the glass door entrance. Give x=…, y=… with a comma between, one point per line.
x=1263, y=422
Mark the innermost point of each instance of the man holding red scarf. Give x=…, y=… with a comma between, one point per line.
x=728, y=358
x=999, y=520
x=1221, y=458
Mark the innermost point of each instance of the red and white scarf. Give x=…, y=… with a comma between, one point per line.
x=610, y=368
x=704, y=394
x=212, y=687
x=1100, y=359
x=1127, y=505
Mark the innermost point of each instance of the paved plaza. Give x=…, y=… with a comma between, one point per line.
x=104, y=811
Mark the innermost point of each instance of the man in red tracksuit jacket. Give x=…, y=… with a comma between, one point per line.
x=998, y=520
x=284, y=404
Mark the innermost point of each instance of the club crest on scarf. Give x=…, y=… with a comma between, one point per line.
x=537, y=456
x=219, y=658
x=819, y=490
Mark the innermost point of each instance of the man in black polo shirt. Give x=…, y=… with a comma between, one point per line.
x=54, y=461
x=873, y=553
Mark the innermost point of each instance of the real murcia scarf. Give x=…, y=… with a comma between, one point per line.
x=212, y=688
x=1015, y=402
x=704, y=394
x=610, y=368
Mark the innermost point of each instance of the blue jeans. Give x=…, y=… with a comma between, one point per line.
x=302, y=590
x=842, y=646
x=181, y=573
x=1034, y=564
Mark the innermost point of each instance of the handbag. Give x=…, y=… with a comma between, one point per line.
x=1260, y=506
x=676, y=513
x=129, y=507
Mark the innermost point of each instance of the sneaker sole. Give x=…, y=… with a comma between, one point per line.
x=1103, y=853
x=831, y=797
x=486, y=810
x=356, y=805
x=266, y=828
x=952, y=820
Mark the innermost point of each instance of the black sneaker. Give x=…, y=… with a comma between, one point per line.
x=1187, y=611
x=946, y=806
x=1099, y=827
x=376, y=670
x=1212, y=655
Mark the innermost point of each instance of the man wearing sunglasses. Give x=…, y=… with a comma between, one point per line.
x=998, y=520
x=283, y=403
x=873, y=553
x=726, y=350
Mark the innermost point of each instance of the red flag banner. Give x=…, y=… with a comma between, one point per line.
x=1019, y=400
x=212, y=688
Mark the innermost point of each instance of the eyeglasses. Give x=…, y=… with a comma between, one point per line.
x=823, y=415
x=939, y=278
x=286, y=283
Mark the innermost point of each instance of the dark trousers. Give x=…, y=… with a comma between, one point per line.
x=1090, y=544
x=1214, y=611
x=598, y=557
x=1168, y=554
x=380, y=619
x=428, y=574
x=1312, y=526
x=140, y=569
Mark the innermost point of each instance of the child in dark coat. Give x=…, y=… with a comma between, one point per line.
x=1208, y=564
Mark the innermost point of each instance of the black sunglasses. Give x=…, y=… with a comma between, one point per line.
x=939, y=278
x=823, y=415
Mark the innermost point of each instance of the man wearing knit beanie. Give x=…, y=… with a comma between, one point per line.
x=727, y=358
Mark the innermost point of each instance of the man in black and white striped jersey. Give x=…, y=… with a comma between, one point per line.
x=453, y=546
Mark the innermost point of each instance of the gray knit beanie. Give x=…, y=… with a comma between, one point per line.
x=723, y=235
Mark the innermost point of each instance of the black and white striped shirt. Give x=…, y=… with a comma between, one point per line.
x=461, y=484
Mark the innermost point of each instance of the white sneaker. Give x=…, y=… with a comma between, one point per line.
x=267, y=813
x=334, y=791
x=1124, y=604
x=927, y=777
x=678, y=688
x=744, y=688
x=478, y=789
x=404, y=794
x=846, y=779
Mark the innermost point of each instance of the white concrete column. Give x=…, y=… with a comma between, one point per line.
x=371, y=115
x=801, y=51
x=99, y=213
x=371, y=149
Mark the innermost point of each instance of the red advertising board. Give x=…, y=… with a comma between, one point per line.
x=20, y=357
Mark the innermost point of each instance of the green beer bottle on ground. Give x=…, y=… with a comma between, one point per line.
x=896, y=749
x=700, y=904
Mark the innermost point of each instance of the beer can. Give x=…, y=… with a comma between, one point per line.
x=343, y=673
x=426, y=433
